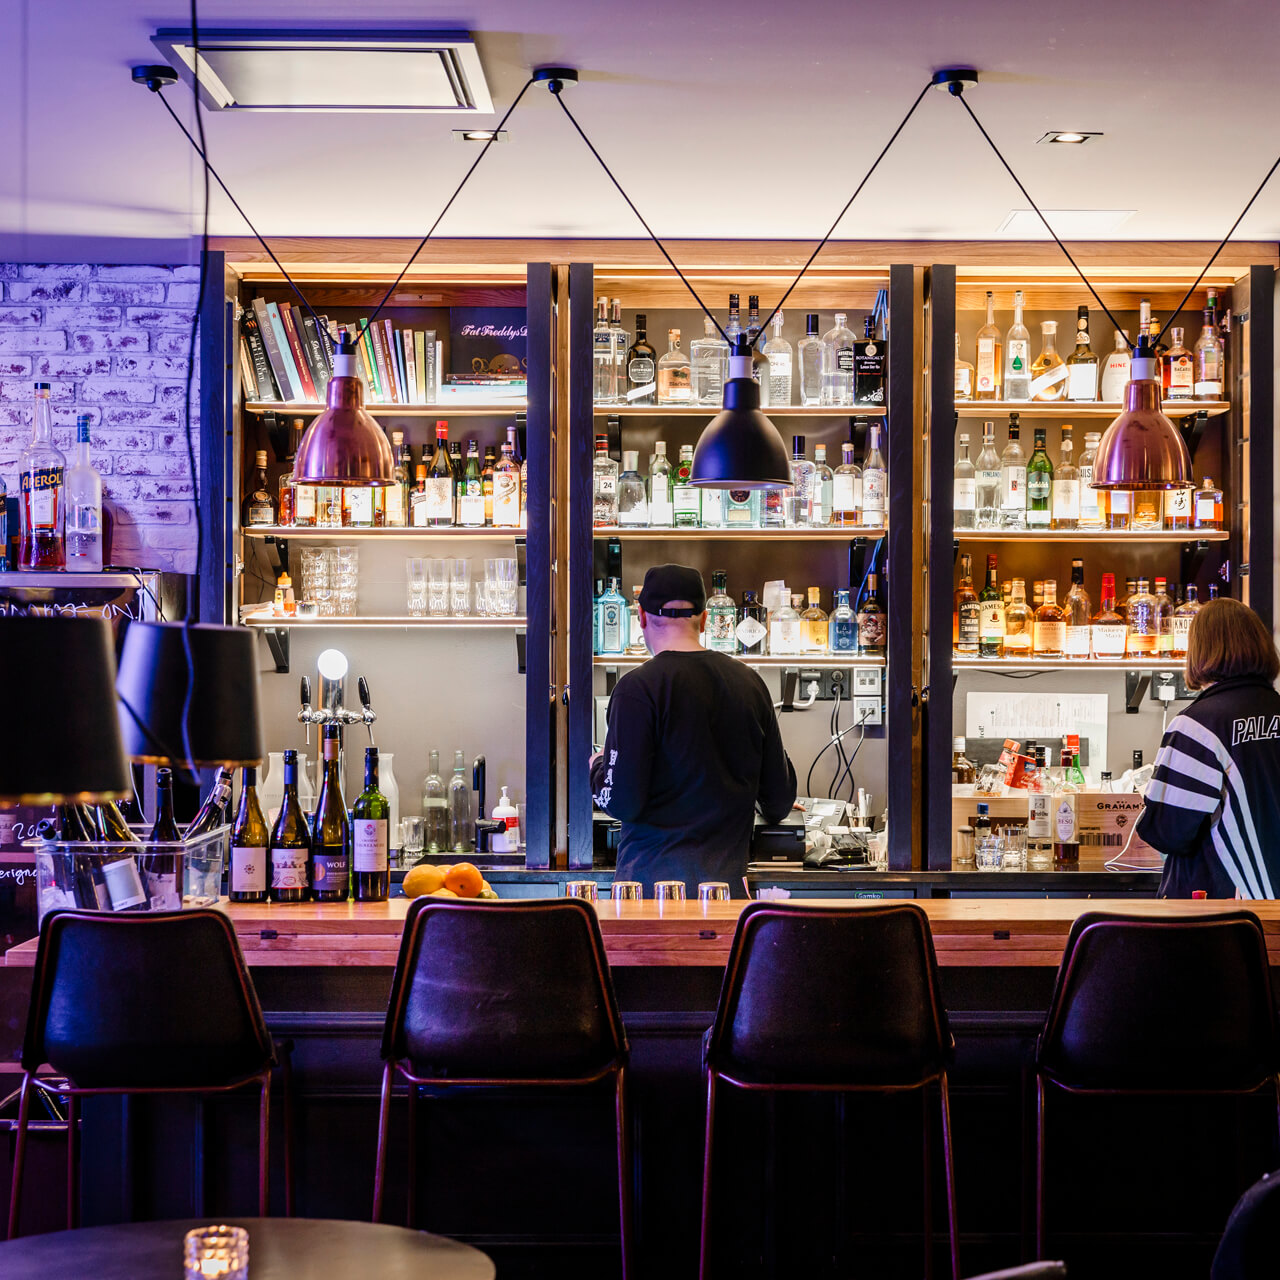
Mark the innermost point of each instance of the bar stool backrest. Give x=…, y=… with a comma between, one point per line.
x=1155, y=1004
x=818, y=997
x=503, y=991
x=145, y=1000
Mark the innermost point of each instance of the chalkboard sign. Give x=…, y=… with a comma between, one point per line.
x=18, y=873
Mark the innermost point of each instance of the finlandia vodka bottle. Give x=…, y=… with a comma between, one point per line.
x=84, y=506
x=987, y=480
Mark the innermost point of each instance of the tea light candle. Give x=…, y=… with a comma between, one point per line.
x=216, y=1253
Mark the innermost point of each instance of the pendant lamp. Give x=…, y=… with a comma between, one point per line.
x=740, y=448
x=62, y=744
x=1142, y=449
x=207, y=706
x=344, y=445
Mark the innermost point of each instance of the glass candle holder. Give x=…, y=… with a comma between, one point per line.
x=216, y=1253
x=668, y=890
x=587, y=889
x=713, y=891
x=626, y=891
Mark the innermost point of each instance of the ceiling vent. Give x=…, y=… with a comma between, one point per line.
x=332, y=70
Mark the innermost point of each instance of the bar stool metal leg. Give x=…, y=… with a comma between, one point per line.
x=73, y=1161
x=926, y=1118
x=380, y=1165
x=264, y=1146
x=1040, y=1102
x=284, y=1052
x=705, y=1247
x=19, y=1155
x=624, y=1169
x=948, y=1160
x=411, y=1169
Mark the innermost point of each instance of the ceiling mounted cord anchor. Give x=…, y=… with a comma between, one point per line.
x=155, y=77
x=555, y=78
x=953, y=80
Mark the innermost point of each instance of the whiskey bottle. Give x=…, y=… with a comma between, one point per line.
x=963, y=771
x=1019, y=623
x=991, y=614
x=1183, y=616
x=1119, y=507
x=1017, y=364
x=1082, y=363
x=964, y=488
x=1013, y=480
x=642, y=367
x=967, y=612
x=1115, y=371
x=1148, y=509
x=813, y=625
x=1051, y=625
x=1077, y=607
x=1208, y=505
x=1108, y=631
x=250, y=840
x=290, y=841
x=989, y=364
x=1048, y=372
x=370, y=837
x=1066, y=487
x=1144, y=624
x=259, y=505
x=1039, y=484
x=1092, y=501
x=1178, y=374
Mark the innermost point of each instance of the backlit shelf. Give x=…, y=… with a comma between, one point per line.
x=259, y=618
x=313, y=533
x=799, y=661
x=710, y=410
x=463, y=409
x=1081, y=409
x=965, y=663
x=824, y=534
x=1117, y=536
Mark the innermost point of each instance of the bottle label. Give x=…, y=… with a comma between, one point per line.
x=329, y=870
x=606, y=484
x=1181, y=625
x=843, y=493
x=750, y=632
x=845, y=360
x=720, y=629
x=1114, y=375
x=991, y=619
x=1082, y=381
x=506, y=499
x=289, y=869
x=1019, y=350
x=1210, y=388
x=438, y=499
x=395, y=505
x=369, y=844
x=1078, y=639
x=970, y=626
x=1039, y=819
x=249, y=869
x=1013, y=487
x=1038, y=486
x=1049, y=379
x=871, y=630
x=989, y=482
x=873, y=491
x=611, y=624
x=1177, y=506
x=713, y=508
x=1109, y=639
x=1181, y=376
x=1066, y=499
x=784, y=635
x=640, y=372
x=1051, y=637
x=1205, y=511
x=304, y=503
x=471, y=509
x=1088, y=494
x=259, y=512
x=965, y=495
x=1121, y=502
x=964, y=381
x=360, y=505
x=1064, y=819
x=986, y=364
x=40, y=488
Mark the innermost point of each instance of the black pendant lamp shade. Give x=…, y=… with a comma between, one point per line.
x=61, y=742
x=223, y=721
x=740, y=448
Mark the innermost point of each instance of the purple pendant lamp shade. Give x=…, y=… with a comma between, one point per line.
x=740, y=448
x=1142, y=449
x=344, y=445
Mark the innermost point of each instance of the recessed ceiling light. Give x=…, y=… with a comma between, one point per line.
x=480, y=135
x=1069, y=136
x=1084, y=224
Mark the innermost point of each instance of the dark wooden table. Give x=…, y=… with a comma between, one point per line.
x=279, y=1249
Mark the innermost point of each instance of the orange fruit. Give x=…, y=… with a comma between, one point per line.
x=441, y=893
x=464, y=879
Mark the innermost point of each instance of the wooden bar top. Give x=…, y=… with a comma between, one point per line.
x=966, y=933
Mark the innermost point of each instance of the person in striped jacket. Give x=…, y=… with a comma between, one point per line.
x=1213, y=804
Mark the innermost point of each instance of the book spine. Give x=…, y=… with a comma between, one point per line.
x=370, y=363
x=299, y=356
x=411, y=368
x=248, y=379
x=271, y=340
x=265, y=379
x=389, y=345
x=402, y=377
x=328, y=335
x=384, y=366
x=315, y=354
x=296, y=391
x=420, y=360
x=438, y=346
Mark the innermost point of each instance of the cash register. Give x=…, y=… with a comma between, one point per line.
x=821, y=834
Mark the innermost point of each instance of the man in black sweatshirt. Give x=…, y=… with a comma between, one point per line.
x=693, y=747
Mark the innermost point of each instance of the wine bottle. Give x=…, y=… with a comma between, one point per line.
x=290, y=840
x=370, y=835
x=71, y=825
x=330, y=829
x=112, y=824
x=165, y=827
x=247, y=876
x=213, y=813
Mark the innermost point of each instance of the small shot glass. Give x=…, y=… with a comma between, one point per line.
x=713, y=891
x=668, y=891
x=586, y=889
x=626, y=891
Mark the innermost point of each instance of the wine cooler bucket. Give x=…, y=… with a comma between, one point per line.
x=153, y=875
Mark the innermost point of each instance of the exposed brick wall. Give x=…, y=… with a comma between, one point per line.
x=112, y=342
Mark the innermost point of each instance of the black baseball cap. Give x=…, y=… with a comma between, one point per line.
x=666, y=582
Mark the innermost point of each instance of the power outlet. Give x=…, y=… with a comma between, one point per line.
x=836, y=682
x=868, y=711
x=1169, y=683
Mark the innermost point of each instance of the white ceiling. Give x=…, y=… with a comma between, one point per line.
x=750, y=119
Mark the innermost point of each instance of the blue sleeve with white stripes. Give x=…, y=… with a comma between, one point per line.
x=1184, y=794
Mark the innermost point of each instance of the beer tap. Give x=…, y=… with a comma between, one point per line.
x=306, y=715
x=367, y=714
x=332, y=665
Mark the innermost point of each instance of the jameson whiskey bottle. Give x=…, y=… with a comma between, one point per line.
x=991, y=614
x=370, y=837
x=330, y=829
x=290, y=841
x=247, y=877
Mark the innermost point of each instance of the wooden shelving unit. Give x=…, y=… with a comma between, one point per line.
x=1081, y=408
x=710, y=410
x=1066, y=664
x=314, y=533
x=466, y=409
x=255, y=618
x=1113, y=536
x=770, y=662
x=825, y=534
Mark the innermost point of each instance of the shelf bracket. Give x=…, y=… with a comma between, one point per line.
x=522, y=641
x=522, y=567
x=1193, y=554
x=278, y=643
x=1135, y=689
x=1192, y=431
x=790, y=678
x=278, y=554
x=610, y=679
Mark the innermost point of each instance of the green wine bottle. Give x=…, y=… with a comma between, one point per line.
x=330, y=829
x=370, y=837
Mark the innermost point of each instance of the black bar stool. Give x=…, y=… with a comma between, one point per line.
x=492, y=994
x=842, y=999
x=145, y=1003
x=1149, y=1005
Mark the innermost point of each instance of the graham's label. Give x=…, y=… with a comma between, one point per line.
x=40, y=489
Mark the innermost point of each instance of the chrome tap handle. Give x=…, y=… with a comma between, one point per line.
x=368, y=715
x=305, y=713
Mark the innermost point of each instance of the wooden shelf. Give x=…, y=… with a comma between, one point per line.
x=1067, y=664
x=313, y=533
x=253, y=618
x=821, y=660
x=463, y=409
x=824, y=534
x=1090, y=535
x=710, y=410
x=1081, y=409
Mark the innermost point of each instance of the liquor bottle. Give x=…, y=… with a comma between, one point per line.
x=1082, y=363
x=733, y=326
x=395, y=500
x=506, y=491
x=1092, y=501
x=1164, y=619
x=84, y=506
x=611, y=621
x=604, y=388
x=740, y=508
x=1177, y=369
x=1208, y=361
x=752, y=630
x=462, y=823
x=661, y=513
x=418, y=498
x=964, y=376
x=1183, y=616
x=870, y=367
x=212, y=814
x=842, y=626
x=1048, y=372
x=370, y=837
x=250, y=841
x=1178, y=509
x=457, y=468
x=709, y=365
x=1143, y=619
x=1077, y=607
x=809, y=359
x=1208, y=504
x=1148, y=509
x=636, y=646
x=486, y=483
x=989, y=363
x=1108, y=632
x=327, y=867
x=642, y=367
x=259, y=506
x=991, y=614
x=872, y=623
x=722, y=616
x=1119, y=508
x=438, y=502
x=74, y=825
x=1130, y=589
x=675, y=383
x=1019, y=622
x=1017, y=363
x=1066, y=486
x=964, y=772
x=435, y=808
x=775, y=389
x=620, y=341
x=1050, y=640
x=360, y=510
x=1213, y=591
x=1115, y=372
x=302, y=498
x=874, y=482
x=1039, y=484
x=987, y=480
x=967, y=611
x=686, y=499
x=846, y=491
x=604, y=486
x=814, y=625
x=964, y=488
x=837, y=363
x=759, y=364
x=165, y=828
x=982, y=823
x=823, y=483
x=784, y=626
x=1013, y=479
x=471, y=491
x=114, y=828
x=800, y=500
x=633, y=504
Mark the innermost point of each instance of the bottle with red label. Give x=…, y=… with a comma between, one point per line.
x=42, y=514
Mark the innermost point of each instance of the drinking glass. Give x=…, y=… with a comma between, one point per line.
x=586, y=889
x=505, y=586
x=411, y=835
x=460, y=586
x=437, y=587
x=415, y=568
x=626, y=891
x=668, y=890
x=216, y=1253
x=713, y=891
x=987, y=853
x=520, y=812
x=1013, y=848
x=345, y=568
x=878, y=849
